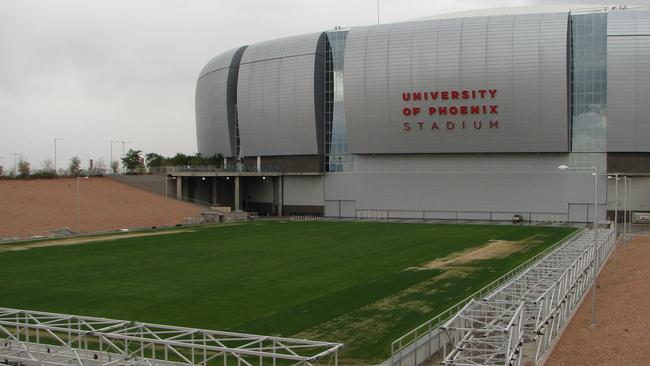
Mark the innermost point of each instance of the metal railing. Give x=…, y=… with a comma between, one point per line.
x=450, y=215
x=224, y=168
x=40, y=338
x=426, y=335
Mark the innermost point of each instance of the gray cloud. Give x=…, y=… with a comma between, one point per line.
x=92, y=71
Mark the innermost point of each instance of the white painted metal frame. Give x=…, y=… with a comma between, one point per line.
x=428, y=339
x=548, y=291
x=564, y=300
x=40, y=338
x=486, y=332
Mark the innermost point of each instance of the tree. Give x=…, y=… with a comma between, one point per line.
x=132, y=160
x=180, y=159
x=215, y=160
x=75, y=166
x=154, y=160
x=48, y=166
x=198, y=160
x=1, y=171
x=115, y=166
x=24, y=168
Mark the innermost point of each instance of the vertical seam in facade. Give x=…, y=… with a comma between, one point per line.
x=539, y=80
x=365, y=87
x=460, y=70
x=487, y=34
x=388, y=120
x=435, y=78
x=636, y=83
x=411, y=39
x=512, y=79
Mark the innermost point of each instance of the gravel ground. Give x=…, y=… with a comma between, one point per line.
x=622, y=333
x=32, y=207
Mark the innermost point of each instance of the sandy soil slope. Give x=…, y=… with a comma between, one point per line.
x=33, y=207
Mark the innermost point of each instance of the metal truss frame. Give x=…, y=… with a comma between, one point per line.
x=546, y=295
x=41, y=338
x=486, y=332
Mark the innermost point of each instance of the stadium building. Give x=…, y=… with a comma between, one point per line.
x=463, y=116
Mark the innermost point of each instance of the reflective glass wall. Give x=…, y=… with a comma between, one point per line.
x=589, y=90
x=337, y=158
x=589, y=82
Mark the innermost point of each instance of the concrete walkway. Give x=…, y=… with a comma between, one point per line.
x=622, y=333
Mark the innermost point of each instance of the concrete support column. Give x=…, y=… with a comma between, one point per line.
x=280, y=194
x=214, y=190
x=179, y=188
x=259, y=164
x=237, y=200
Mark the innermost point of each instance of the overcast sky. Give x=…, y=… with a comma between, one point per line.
x=94, y=71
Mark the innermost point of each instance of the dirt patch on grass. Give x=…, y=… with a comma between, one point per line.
x=75, y=241
x=494, y=249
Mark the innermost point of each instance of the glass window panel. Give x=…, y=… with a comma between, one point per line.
x=588, y=82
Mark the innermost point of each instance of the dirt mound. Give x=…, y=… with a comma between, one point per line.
x=33, y=207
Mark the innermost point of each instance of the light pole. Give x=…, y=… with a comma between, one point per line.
x=594, y=170
x=377, y=11
x=629, y=207
x=616, y=178
x=111, y=162
x=77, y=210
x=16, y=162
x=55, y=141
x=624, y=213
x=118, y=142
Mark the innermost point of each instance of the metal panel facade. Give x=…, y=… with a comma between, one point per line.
x=276, y=97
x=212, y=128
x=485, y=84
x=628, y=81
x=464, y=183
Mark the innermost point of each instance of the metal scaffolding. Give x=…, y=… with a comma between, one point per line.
x=533, y=307
x=40, y=338
x=486, y=332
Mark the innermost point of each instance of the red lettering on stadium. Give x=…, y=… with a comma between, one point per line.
x=451, y=103
x=450, y=125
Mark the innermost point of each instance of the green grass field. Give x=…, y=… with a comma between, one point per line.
x=338, y=281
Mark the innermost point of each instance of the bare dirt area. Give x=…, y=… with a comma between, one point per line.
x=493, y=249
x=33, y=207
x=81, y=240
x=621, y=334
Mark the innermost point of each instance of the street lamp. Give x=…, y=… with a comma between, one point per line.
x=616, y=179
x=16, y=162
x=628, y=182
x=77, y=211
x=55, y=141
x=594, y=170
x=118, y=142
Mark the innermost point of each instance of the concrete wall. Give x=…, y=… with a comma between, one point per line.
x=303, y=190
x=470, y=183
x=640, y=194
